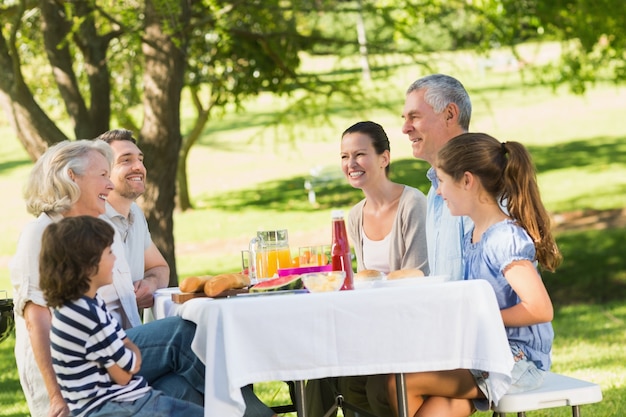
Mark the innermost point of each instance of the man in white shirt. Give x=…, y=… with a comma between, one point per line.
x=149, y=269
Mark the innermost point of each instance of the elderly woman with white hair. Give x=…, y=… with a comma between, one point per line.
x=70, y=179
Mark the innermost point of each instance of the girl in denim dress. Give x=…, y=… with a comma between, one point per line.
x=495, y=185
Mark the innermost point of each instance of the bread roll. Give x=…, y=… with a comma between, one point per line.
x=405, y=273
x=194, y=283
x=369, y=274
x=220, y=283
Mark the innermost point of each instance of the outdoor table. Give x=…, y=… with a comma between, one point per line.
x=398, y=329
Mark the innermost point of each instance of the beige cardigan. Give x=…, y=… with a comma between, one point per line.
x=408, y=233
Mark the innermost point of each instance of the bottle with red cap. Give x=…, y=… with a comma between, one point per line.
x=340, y=249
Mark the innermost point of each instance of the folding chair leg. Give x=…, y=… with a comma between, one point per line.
x=337, y=405
x=296, y=391
x=358, y=411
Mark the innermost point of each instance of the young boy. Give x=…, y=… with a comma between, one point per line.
x=95, y=363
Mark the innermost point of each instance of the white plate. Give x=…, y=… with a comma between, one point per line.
x=363, y=284
x=410, y=281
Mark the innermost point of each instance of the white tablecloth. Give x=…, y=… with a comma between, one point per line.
x=163, y=305
x=400, y=329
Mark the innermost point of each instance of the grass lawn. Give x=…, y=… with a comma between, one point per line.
x=242, y=181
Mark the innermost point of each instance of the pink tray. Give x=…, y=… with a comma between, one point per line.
x=303, y=270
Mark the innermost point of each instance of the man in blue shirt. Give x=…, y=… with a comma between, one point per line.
x=437, y=108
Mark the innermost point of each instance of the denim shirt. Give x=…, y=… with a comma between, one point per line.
x=444, y=234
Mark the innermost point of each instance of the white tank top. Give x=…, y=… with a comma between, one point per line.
x=376, y=253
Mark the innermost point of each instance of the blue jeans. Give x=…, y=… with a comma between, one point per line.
x=167, y=361
x=169, y=365
x=153, y=404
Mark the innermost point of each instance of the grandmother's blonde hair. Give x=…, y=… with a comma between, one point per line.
x=50, y=188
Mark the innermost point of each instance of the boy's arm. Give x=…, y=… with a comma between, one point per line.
x=131, y=346
x=120, y=375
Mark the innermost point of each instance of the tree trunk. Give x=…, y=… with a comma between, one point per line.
x=56, y=26
x=184, y=201
x=94, y=48
x=362, y=38
x=31, y=124
x=160, y=133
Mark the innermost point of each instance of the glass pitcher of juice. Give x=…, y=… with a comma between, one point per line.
x=273, y=252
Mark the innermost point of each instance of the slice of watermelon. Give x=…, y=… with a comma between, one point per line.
x=288, y=282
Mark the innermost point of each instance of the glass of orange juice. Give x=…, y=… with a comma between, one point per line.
x=306, y=256
x=313, y=255
x=274, y=252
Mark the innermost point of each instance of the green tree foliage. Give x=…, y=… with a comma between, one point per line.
x=592, y=35
x=98, y=62
x=128, y=62
x=594, y=40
